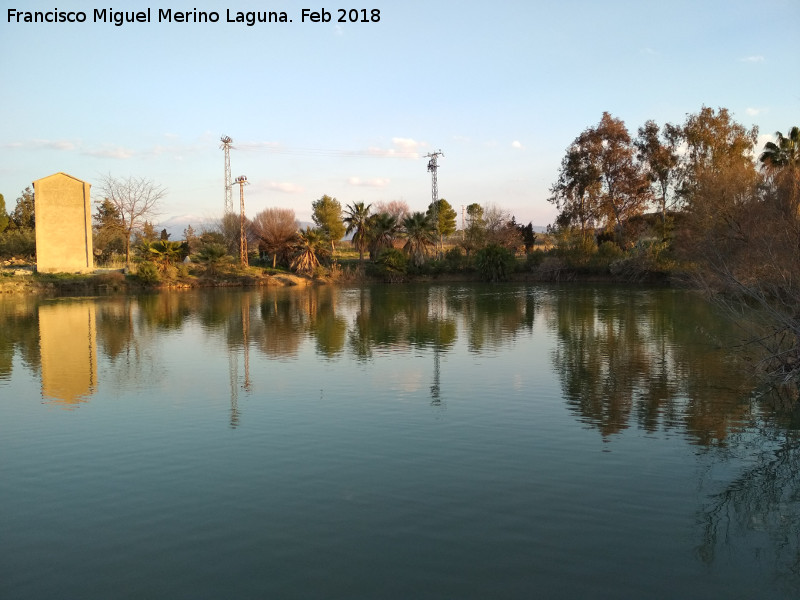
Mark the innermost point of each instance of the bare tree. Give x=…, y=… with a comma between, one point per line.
x=276, y=229
x=135, y=199
x=397, y=208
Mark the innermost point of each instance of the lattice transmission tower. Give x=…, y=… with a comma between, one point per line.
x=226, y=145
x=433, y=166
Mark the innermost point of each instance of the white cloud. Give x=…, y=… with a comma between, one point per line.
x=517, y=145
x=753, y=111
x=401, y=148
x=285, y=187
x=757, y=58
x=111, y=152
x=762, y=140
x=374, y=182
x=63, y=145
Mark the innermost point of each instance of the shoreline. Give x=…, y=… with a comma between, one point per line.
x=114, y=282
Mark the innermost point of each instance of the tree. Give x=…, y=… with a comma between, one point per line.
x=501, y=227
x=212, y=255
x=136, y=200
x=576, y=192
x=357, y=220
x=276, y=229
x=445, y=222
x=624, y=188
x=657, y=150
x=784, y=153
x=475, y=231
x=327, y=215
x=165, y=253
x=108, y=230
x=420, y=235
x=3, y=216
x=382, y=232
x=528, y=236
x=310, y=247
x=780, y=164
x=24, y=215
x=397, y=208
x=743, y=238
x=191, y=239
x=147, y=233
x=715, y=145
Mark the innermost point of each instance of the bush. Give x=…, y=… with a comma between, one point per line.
x=18, y=243
x=534, y=259
x=454, y=259
x=575, y=248
x=147, y=272
x=391, y=265
x=495, y=263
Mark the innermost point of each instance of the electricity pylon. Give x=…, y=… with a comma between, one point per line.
x=226, y=145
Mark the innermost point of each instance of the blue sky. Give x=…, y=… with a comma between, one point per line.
x=351, y=109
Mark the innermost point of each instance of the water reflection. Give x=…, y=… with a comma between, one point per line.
x=649, y=358
x=655, y=359
x=755, y=517
x=68, y=350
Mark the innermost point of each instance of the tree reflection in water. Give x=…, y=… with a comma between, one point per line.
x=648, y=357
x=656, y=360
x=755, y=518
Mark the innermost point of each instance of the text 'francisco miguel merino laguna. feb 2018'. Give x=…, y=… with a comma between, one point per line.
x=168, y=15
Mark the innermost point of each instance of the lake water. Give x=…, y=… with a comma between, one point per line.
x=432, y=441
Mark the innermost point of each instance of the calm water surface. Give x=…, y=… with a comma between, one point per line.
x=389, y=442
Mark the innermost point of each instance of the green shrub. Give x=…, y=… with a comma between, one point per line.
x=495, y=263
x=393, y=260
x=18, y=243
x=391, y=265
x=455, y=259
x=147, y=272
x=534, y=259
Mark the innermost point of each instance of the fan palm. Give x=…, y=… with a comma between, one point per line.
x=420, y=234
x=357, y=220
x=382, y=231
x=164, y=252
x=784, y=153
x=311, y=246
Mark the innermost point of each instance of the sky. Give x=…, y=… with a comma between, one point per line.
x=351, y=109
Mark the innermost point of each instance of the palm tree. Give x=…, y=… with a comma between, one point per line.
x=382, y=231
x=212, y=255
x=786, y=153
x=164, y=252
x=357, y=220
x=420, y=234
x=311, y=245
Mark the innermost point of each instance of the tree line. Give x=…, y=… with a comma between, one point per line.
x=699, y=201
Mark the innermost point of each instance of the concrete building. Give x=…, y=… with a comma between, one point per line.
x=63, y=225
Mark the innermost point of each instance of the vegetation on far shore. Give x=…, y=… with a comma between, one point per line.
x=695, y=203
